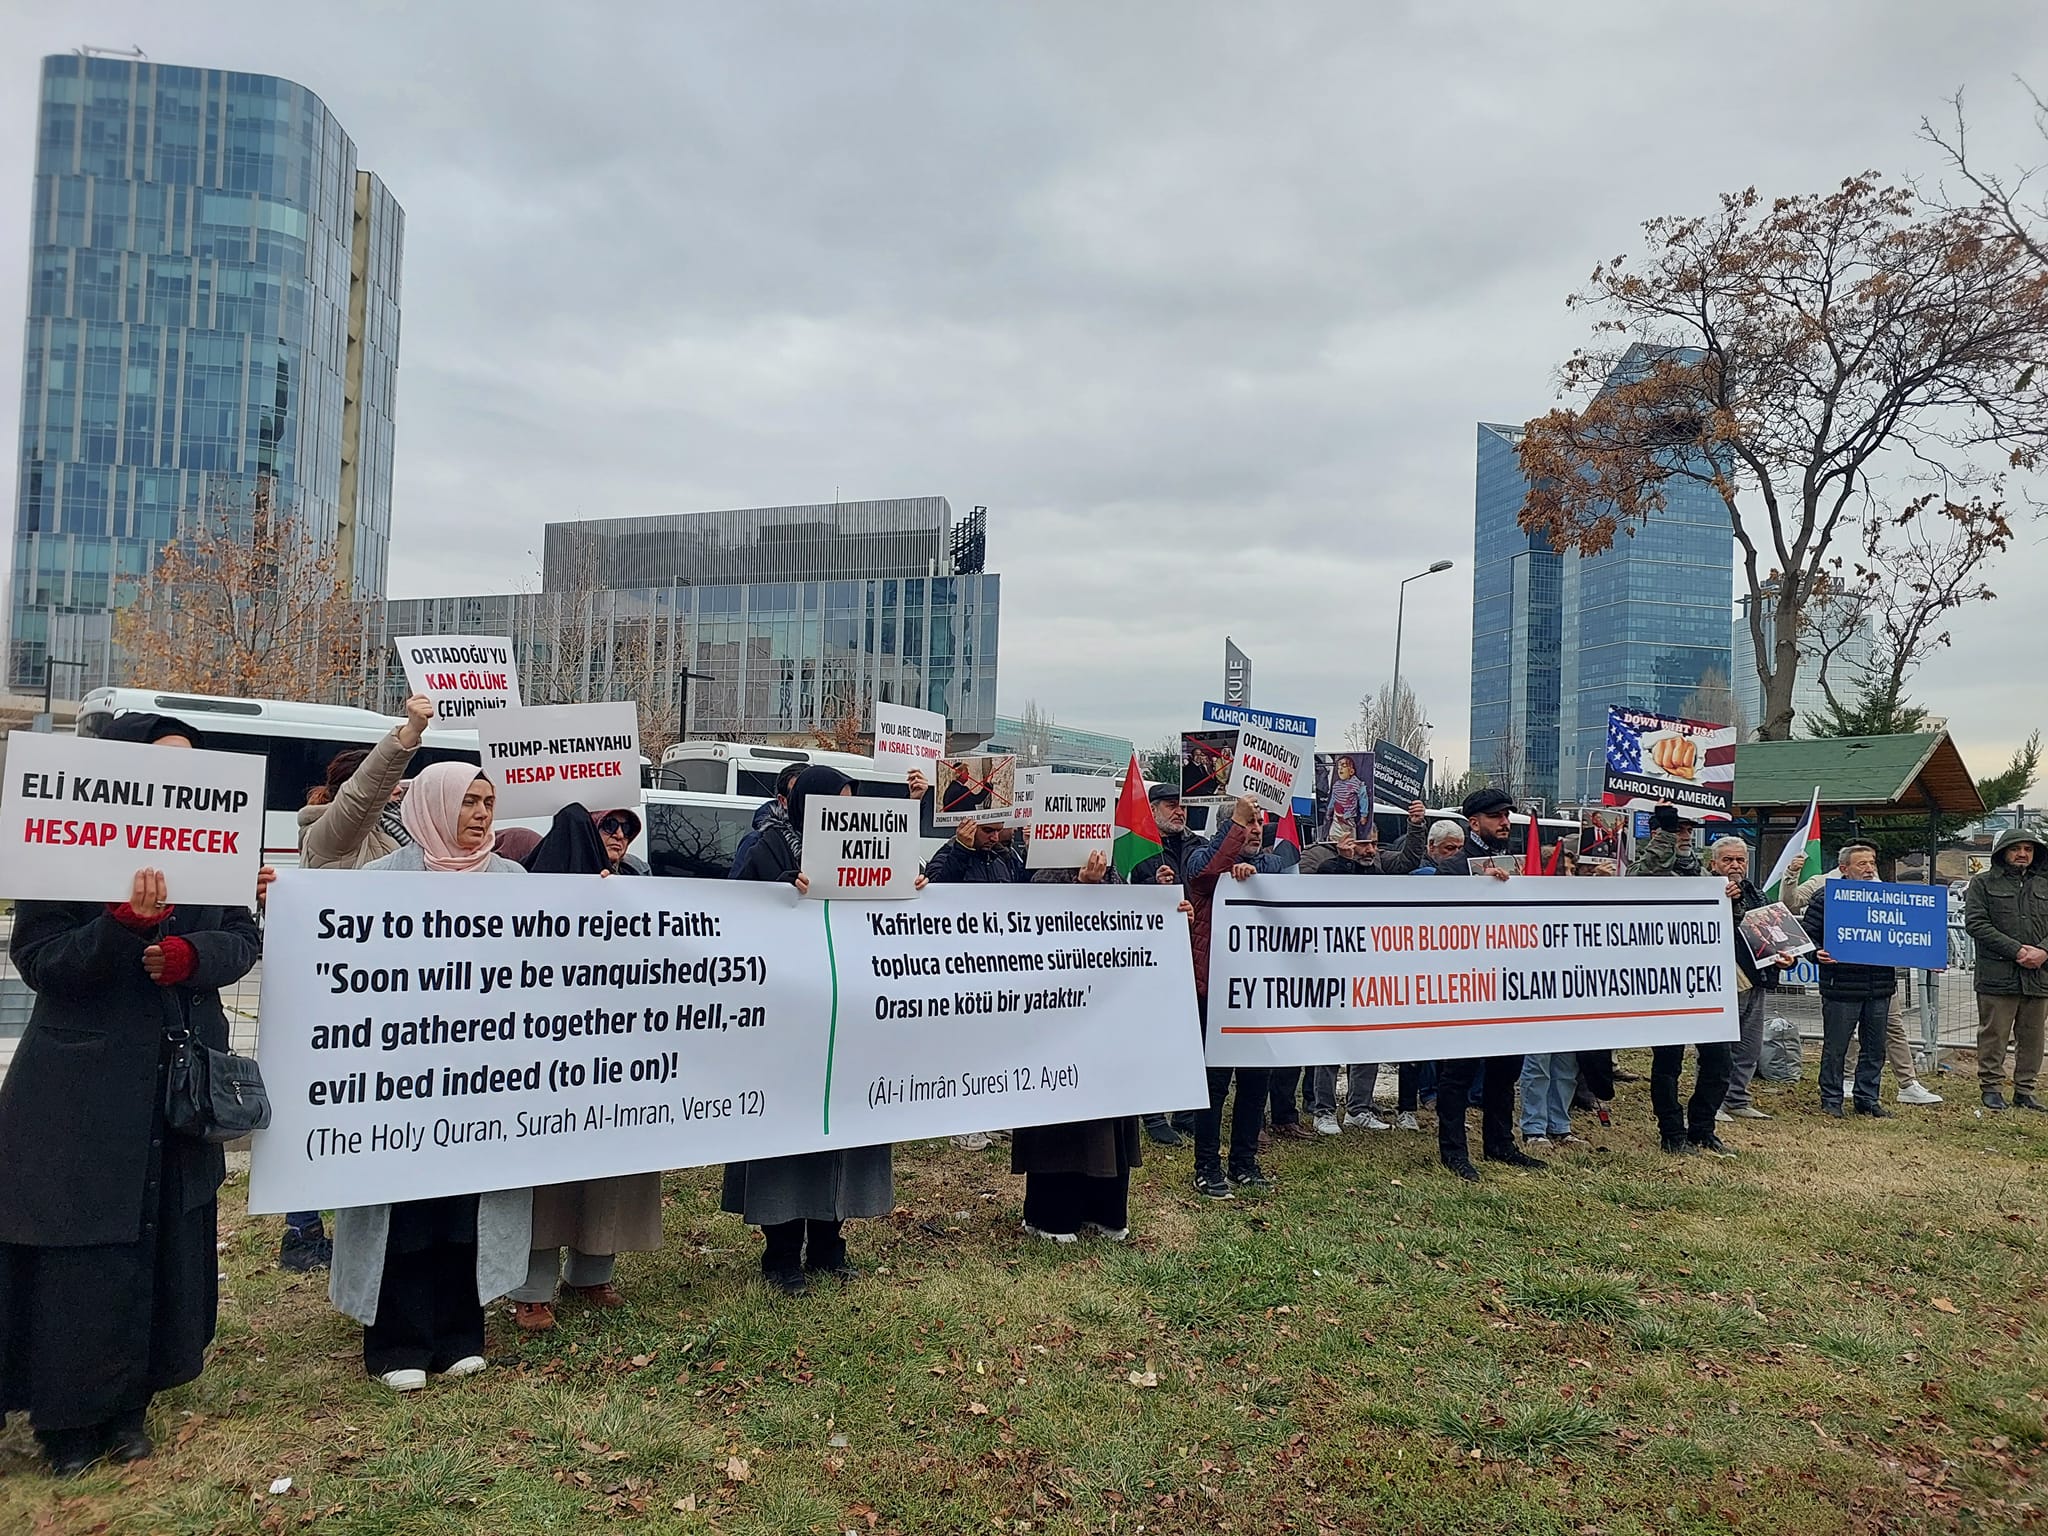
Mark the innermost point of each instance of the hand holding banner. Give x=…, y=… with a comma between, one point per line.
x=465, y=675
x=855, y=846
x=1075, y=817
x=1266, y=767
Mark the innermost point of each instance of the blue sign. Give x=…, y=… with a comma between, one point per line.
x=1259, y=719
x=1871, y=922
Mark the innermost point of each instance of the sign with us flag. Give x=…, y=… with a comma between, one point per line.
x=1651, y=758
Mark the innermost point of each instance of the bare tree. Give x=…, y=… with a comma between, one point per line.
x=2005, y=199
x=586, y=644
x=1711, y=700
x=1034, y=735
x=1784, y=355
x=1504, y=773
x=1378, y=720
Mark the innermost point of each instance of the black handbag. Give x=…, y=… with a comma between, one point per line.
x=212, y=1095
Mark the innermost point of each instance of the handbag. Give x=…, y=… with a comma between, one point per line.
x=212, y=1095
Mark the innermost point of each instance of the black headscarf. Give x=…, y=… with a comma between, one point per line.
x=815, y=780
x=138, y=725
x=570, y=847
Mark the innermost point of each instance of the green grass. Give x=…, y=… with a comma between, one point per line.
x=1842, y=1331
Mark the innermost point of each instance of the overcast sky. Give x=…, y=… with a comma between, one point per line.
x=1203, y=301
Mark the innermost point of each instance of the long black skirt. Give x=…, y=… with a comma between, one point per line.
x=90, y=1334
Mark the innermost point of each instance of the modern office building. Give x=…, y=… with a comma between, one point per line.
x=815, y=640
x=212, y=318
x=1065, y=749
x=1640, y=625
x=1834, y=624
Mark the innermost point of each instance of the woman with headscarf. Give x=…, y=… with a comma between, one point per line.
x=800, y=1202
x=616, y=830
x=595, y=1219
x=418, y=1274
x=108, y=1271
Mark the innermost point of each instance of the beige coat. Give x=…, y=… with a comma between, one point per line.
x=621, y=1215
x=343, y=834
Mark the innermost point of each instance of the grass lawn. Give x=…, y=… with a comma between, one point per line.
x=1842, y=1331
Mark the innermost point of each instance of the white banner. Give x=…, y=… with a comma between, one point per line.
x=428, y=1034
x=1305, y=970
x=465, y=675
x=551, y=755
x=907, y=738
x=1026, y=805
x=1266, y=768
x=860, y=847
x=1075, y=815
x=78, y=817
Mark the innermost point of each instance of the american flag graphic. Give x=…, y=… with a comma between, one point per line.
x=1624, y=746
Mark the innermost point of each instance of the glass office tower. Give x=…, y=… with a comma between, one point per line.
x=213, y=316
x=1516, y=628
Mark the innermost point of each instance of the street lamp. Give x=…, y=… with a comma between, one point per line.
x=1400, y=613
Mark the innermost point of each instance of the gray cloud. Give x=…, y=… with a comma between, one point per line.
x=1203, y=300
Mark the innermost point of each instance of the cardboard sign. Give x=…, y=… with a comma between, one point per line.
x=861, y=848
x=1772, y=930
x=79, y=816
x=1876, y=922
x=975, y=789
x=1660, y=757
x=1259, y=719
x=465, y=675
x=1023, y=809
x=1604, y=838
x=1075, y=816
x=1400, y=775
x=1344, y=791
x=907, y=738
x=1266, y=768
x=551, y=755
x=1207, y=759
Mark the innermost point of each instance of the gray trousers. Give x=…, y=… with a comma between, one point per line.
x=1749, y=1048
x=1322, y=1094
x=544, y=1271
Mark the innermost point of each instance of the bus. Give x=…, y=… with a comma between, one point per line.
x=748, y=769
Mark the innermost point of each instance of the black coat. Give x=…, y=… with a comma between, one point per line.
x=1175, y=849
x=1846, y=983
x=82, y=1102
x=958, y=864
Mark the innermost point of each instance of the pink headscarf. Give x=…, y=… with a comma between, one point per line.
x=431, y=810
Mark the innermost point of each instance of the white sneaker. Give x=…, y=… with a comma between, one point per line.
x=1747, y=1112
x=468, y=1365
x=973, y=1142
x=1569, y=1140
x=1536, y=1143
x=404, y=1381
x=1369, y=1120
x=1723, y=1116
x=1100, y=1230
x=1917, y=1092
x=1051, y=1237
x=1406, y=1121
x=1326, y=1125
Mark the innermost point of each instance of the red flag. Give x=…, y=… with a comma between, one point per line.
x=1555, y=862
x=1532, y=853
x=1137, y=829
x=1289, y=832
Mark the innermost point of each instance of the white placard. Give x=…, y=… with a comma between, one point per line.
x=1368, y=968
x=1075, y=816
x=79, y=816
x=1027, y=780
x=907, y=738
x=1266, y=767
x=551, y=755
x=425, y=1034
x=862, y=848
x=465, y=675
x=980, y=788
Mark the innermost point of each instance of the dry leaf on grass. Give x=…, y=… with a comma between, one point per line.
x=1943, y=1304
x=737, y=1470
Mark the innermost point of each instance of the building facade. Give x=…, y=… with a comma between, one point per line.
x=901, y=536
x=1067, y=749
x=1517, y=627
x=1836, y=624
x=213, y=318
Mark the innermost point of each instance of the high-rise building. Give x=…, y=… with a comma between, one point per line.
x=212, y=319
x=1644, y=624
x=1516, y=627
x=1836, y=628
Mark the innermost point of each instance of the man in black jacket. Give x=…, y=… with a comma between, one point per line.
x=1728, y=857
x=1854, y=1000
x=1687, y=1129
x=1169, y=867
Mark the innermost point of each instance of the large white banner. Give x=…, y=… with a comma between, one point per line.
x=546, y=756
x=79, y=816
x=427, y=1034
x=465, y=675
x=1305, y=970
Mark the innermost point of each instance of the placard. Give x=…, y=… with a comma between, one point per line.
x=907, y=738
x=465, y=675
x=1604, y=838
x=1772, y=930
x=1359, y=968
x=1075, y=816
x=1877, y=922
x=1207, y=759
x=423, y=1035
x=976, y=789
x=1022, y=809
x=79, y=816
x=862, y=847
x=1344, y=794
x=1267, y=720
x=1650, y=758
x=1266, y=768
x=1401, y=777
x=543, y=757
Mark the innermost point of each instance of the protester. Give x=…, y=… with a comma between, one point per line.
x=418, y=1274
x=616, y=830
x=1855, y=1000
x=802, y=1202
x=108, y=1273
x=1755, y=979
x=346, y=823
x=1594, y=1089
x=1283, y=1084
x=1077, y=1178
x=596, y=1220
x=1166, y=867
x=1208, y=864
x=1688, y=1130
x=2005, y=911
x=979, y=853
x=1898, y=1045
x=767, y=808
x=1549, y=1080
x=1668, y=850
x=1489, y=813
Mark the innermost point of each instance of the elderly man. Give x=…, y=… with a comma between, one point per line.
x=1855, y=1000
x=1728, y=857
x=2006, y=913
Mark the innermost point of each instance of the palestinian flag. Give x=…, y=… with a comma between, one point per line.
x=1807, y=857
x=1290, y=830
x=1137, y=830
